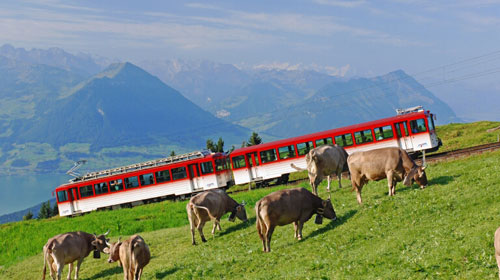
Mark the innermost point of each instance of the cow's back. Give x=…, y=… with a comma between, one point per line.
x=214, y=200
x=71, y=245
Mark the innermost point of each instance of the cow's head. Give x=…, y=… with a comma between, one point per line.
x=239, y=212
x=327, y=210
x=113, y=251
x=417, y=173
x=99, y=242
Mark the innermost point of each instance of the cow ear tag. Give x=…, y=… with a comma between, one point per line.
x=97, y=254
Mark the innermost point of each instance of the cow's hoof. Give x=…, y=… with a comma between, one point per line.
x=204, y=240
x=194, y=243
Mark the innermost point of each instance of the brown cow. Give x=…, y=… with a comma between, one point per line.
x=391, y=163
x=212, y=205
x=497, y=249
x=325, y=161
x=69, y=247
x=284, y=207
x=132, y=254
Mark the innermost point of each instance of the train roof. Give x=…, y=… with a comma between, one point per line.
x=402, y=115
x=145, y=165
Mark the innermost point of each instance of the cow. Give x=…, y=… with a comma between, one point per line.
x=392, y=163
x=212, y=205
x=69, y=247
x=325, y=161
x=288, y=206
x=132, y=254
x=497, y=249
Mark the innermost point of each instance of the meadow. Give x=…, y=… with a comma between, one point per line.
x=442, y=232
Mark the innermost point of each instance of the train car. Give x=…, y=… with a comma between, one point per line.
x=138, y=183
x=411, y=129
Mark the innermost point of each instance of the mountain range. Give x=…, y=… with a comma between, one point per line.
x=57, y=108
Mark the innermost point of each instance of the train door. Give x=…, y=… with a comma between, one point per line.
x=405, y=141
x=194, y=174
x=73, y=199
x=252, y=162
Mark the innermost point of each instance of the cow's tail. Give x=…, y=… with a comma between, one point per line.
x=259, y=222
x=46, y=253
x=297, y=168
x=206, y=209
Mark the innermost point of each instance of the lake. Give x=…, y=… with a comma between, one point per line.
x=23, y=191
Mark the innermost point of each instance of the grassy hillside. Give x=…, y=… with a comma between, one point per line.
x=442, y=232
x=461, y=135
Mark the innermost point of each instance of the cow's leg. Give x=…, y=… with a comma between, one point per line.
x=300, y=224
x=328, y=178
x=295, y=227
x=339, y=176
x=200, y=230
x=192, y=223
x=498, y=263
x=390, y=181
x=53, y=267
x=60, y=267
x=77, y=270
x=261, y=229
x=218, y=224
x=70, y=268
x=269, y=234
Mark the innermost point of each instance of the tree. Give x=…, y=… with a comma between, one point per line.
x=172, y=153
x=28, y=216
x=211, y=146
x=220, y=145
x=45, y=211
x=254, y=139
x=55, y=210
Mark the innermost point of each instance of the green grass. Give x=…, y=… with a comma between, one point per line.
x=442, y=232
x=462, y=135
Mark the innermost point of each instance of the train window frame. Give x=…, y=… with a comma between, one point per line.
x=342, y=140
x=222, y=164
x=269, y=156
x=206, y=167
x=65, y=196
x=326, y=141
x=302, y=151
x=114, y=183
x=131, y=182
x=381, y=132
x=418, y=126
x=181, y=170
x=430, y=123
x=143, y=180
x=239, y=162
x=88, y=191
x=99, y=186
x=288, y=152
x=364, y=136
x=160, y=176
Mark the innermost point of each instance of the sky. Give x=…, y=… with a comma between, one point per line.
x=366, y=38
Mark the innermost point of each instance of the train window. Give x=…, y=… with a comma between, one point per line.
x=221, y=164
x=430, y=121
x=131, y=182
x=62, y=196
x=268, y=155
x=162, y=176
x=179, y=173
x=101, y=188
x=146, y=179
x=324, y=141
x=384, y=132
x=207, y=167
x=116, y=185
x=417, y=126
x=304, y=148
x=363, y=136
x=239, y=162
x=86, y=191
x=344, y=140
x=286, y=152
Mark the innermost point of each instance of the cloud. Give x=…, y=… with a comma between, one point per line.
x=338, y=3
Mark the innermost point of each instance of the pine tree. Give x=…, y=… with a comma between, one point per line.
x=211, y=146
x=55, y=210
x=220, y=145
x=254, y=139
x=44, y=210
x=172, y=153
x=28, y=216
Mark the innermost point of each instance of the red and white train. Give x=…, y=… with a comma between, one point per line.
x=412, y=129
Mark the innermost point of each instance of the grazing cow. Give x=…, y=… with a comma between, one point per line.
x=497, y=249
x=325, y=161
x=69, y=247
x=132, y=254
x=212, y=205
x=391, y=163
x=284, y=207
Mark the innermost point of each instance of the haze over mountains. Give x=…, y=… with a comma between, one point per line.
x=58, y=107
